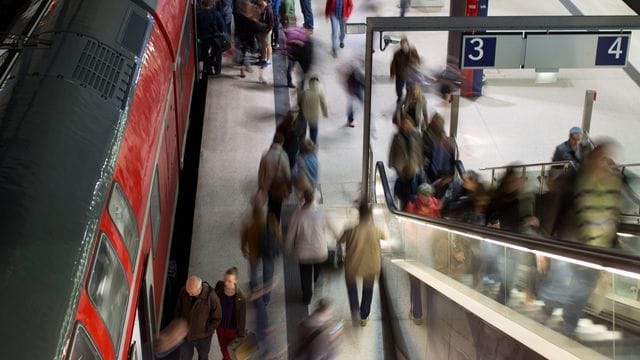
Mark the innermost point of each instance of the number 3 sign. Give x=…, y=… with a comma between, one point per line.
x=479, y=52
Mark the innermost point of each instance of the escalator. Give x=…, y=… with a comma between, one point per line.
x=463, y=291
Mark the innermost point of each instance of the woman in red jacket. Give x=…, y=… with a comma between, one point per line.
x=338, y=11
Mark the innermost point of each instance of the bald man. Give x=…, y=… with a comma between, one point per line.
x=200, y=306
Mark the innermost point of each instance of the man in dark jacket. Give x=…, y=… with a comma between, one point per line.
x=210, y=23
x=405, y=60
x=573, y=149
x=200, y=306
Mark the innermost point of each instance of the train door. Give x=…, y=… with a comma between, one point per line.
x=144, y=330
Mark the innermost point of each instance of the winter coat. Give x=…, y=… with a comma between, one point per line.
x=363, y=255
x=406, y=155
x=203, y=314
x=209, y=23
x=313, y=101
x=402, y=62
x=597, y=203
x=274, y=167
x=564, y=152
x=330, y=8
x=307, y=235
x=431, y=207
x=241, y=307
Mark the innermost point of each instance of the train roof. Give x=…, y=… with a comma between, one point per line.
x=63, y=110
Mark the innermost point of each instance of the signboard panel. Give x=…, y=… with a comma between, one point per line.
x=502, y=51
x=556, y=51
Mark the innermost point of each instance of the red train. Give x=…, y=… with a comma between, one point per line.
x=94, y=109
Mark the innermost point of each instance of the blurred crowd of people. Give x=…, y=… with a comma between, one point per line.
x=582, y=204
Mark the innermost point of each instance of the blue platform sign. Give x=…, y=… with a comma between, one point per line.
x=479, y=52
x=612, y=50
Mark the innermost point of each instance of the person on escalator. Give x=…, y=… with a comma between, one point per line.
x=512, y=204
x=414, y=105
x=405, y=156
x=439, y=155
x=591, y=218
x=574, y=149
x=425, y=203
x=469, y=200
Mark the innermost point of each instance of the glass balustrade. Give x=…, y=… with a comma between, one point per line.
x=582, y=300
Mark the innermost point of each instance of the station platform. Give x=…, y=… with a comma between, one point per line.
x=515, y=120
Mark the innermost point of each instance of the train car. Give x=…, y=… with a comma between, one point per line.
x=94, y=109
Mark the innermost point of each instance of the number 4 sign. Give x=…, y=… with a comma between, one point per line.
x=612, y=50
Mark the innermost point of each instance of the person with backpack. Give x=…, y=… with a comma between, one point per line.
x=406, y=157
x=199, y=305
x=274, y=175
x=307, y=236
x=234, y=311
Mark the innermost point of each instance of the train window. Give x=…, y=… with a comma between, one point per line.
x=122, y=216
x=83, y=348
x=156, y=218
x=108, y=289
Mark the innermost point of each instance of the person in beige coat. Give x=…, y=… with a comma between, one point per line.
x=312, y=101
x=362, y=259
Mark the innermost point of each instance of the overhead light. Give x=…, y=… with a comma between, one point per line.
x=546, y=76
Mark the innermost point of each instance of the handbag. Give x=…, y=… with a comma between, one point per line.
x=223, y=40
x=243, y=347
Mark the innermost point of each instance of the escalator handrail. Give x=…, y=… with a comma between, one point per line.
x=603, y=257
x=550, y=163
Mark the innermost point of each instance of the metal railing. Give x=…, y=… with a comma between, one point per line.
x=610, y=258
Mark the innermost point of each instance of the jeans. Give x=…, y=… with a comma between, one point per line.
x=262, y=324
x=275, y=6
x=267, y=275
x=337, y=25
x=226, y=337
x=307, y=13
x=202, y=345
x=359, y=95
x=400, y=82
x=313, y=133
x=569, y=286
x=307, y=272
x=363, y=308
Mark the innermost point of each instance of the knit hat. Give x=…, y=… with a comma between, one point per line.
x=575, y=131
x=425, y=189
